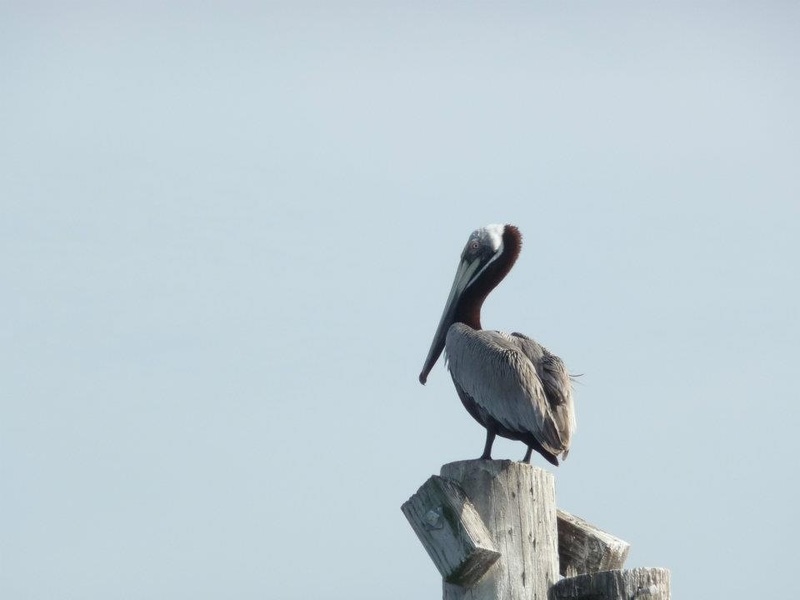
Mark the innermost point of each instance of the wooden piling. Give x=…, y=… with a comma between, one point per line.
x=630, y=584
x=492, y=529
x=515, y=505
x=583, y=548
x=451, y=531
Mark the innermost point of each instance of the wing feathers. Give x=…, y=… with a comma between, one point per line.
x=516, y=381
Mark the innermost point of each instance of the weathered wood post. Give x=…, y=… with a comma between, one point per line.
x=492, y=529
x=518, y=504
x=452, y=531
x=516, y=556
x=630, y=584
x=583, y=548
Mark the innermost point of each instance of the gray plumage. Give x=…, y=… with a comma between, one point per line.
x=515, y=381
x=509, y=383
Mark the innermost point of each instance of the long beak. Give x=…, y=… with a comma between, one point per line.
x=463, y=277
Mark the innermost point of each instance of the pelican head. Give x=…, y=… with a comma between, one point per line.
x=488, y=256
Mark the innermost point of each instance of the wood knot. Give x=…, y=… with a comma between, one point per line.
x=433, y=519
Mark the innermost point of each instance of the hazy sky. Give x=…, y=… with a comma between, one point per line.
x=227, y=232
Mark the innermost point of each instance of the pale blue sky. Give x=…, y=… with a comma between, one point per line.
x=227, y=233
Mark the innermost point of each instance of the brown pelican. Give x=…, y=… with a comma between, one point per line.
x=510, y=384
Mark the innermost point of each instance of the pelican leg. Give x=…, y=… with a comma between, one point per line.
x=487, y=449
x=527, y=458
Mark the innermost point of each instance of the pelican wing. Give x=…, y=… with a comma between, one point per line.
x=503, y=375
x=556, y=383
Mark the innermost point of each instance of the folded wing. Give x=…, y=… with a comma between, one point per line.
x=516, y=381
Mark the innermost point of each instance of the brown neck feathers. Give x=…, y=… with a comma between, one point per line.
x=469, y=307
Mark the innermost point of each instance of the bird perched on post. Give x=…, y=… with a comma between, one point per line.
x=509, y=383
